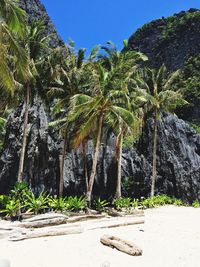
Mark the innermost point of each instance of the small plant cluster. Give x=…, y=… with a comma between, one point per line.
x=151, y=202
x=22, y=200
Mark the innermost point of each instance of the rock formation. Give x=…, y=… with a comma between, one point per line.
x=178, y=144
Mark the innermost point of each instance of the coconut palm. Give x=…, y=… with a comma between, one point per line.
x=160, y=97
x=13, y=57
x=36, y=46
x=107, y=104
x=71, y=77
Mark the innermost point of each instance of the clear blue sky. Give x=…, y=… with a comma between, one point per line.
x=91, y=22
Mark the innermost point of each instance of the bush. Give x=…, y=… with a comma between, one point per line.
x=100, y=205
x=75, y=204
x=121, y=203
x=36, y=204
x=196, y=204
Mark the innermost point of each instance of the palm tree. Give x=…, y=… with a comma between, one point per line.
x=36, y=47
x=107, y=105
x=70, y=78
x=13, y=57
x=124, y=66
x=160, y=97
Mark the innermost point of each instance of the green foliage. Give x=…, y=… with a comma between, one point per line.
x=178, y=202
x=156, y=201
x=3, y=201
x=100, y=205
x=57, y=204
x=36, y=204
x=122, y=203
x=12, y=208
x=195, y=126
x=75, y=204
x=196, y=204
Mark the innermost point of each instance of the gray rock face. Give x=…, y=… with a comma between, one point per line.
x=178, y=164
x=41, y=158
x=178, y=160
x=169, y=40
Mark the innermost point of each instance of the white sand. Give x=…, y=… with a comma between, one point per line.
x=169, y=238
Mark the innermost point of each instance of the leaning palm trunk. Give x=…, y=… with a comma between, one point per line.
x=85, y=164
x=94, y=164
x=154, y=154
x=25, y=131
x=62, y=165
x=118, y=193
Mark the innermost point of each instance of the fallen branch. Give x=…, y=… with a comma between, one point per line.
x=118, y=223
x=45, y=216
x=121, y=245
x=36, y=233
x=43, y=223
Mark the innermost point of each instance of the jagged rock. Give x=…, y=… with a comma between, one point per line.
x=178, y=144
x=41, y=158
x=178, y=160
x=169, y=40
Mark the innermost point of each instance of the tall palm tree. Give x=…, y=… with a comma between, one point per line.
x=124, y=66
x=107, y=105
x=71, y=77
x=36, y=46
x=13, y=57
x=160, y=97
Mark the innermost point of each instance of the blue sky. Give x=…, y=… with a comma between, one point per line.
x=92, y=22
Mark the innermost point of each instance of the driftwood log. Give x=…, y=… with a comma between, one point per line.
x=45, y=216
x=45, y=232
x=121, y=245
x=111, y=223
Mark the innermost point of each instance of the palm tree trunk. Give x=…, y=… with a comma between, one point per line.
x=94, y=164
x=154, y=154
x=118, y=193
x=62, y=165
x=85, y=164
x=25, y=130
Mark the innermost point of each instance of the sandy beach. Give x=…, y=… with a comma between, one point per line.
x=170, y=237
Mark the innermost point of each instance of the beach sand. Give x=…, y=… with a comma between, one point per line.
x=170, y=237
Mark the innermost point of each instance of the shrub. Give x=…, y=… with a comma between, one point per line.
x=100, y=205
x=121, y=203
x=196, y=204
x=75, y=204
x=12, y=208
x=57, y=204
x=36, y=204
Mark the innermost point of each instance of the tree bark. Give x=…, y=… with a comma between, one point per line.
x=118, y=193
x=85, y=165
x=25, y=130
x=154, y=154
x=121, y=245
x=62, y=165
x=94, y=164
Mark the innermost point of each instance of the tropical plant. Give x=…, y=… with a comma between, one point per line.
x=13, y=57
x=36, y=47
x=57, y=204
x=122, y=203
x=75, y=204
x=12, y=208
x=106, y=105
x=36, y=204
x=100, y=205
x=160, y=97
x=71, y=78
x=196, y=204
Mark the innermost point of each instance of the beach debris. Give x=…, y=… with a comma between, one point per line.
x=121, y=245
